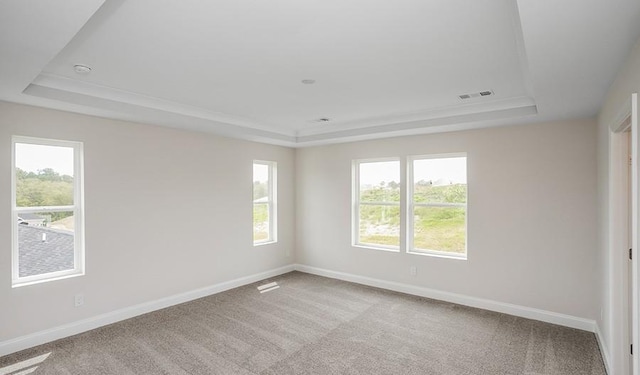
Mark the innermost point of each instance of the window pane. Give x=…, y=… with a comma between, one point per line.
x=44, y=175
x=264, y=202
x=379, y=225
x=380, y=181
x=260, y=182
x=260, y=222
x=45, y=242
x=440, y=180
x=439, y=229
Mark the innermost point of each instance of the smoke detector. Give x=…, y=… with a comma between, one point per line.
x=81, y=69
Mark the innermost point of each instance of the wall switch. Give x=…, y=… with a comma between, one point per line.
x=413, y=270
x=79, y=300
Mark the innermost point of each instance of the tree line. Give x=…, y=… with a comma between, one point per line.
x=46, y=187
x=423, y=191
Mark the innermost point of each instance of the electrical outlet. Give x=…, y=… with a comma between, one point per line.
x=79, y=300
x=413, y=270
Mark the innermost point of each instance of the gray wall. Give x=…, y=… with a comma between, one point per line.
x=167, y=212
x=170, y=211
x=531, y=215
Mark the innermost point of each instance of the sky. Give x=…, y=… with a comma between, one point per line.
x=376, y=172
x=451, y=169
x=260, y=173
x=31, y=158
x=448, y=169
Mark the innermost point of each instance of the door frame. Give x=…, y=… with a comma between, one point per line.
x=623, y=204
x=635, y=229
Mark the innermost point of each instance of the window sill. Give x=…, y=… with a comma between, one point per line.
x=255, y=244
x=18, y=284
x=372, y=247
x=438, y=254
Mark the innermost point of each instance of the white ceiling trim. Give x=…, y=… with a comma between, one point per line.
x=423, y=126
x=479, y=108
x=121, y=110
x=131, y=106
x=112, y=94
x=522, y=51
x=102, y=97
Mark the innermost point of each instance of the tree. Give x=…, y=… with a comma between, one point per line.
x=260, y=190
x=46, y=188
x=48, y=174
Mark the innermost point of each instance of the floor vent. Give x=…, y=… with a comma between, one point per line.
x=268, y=287
x=476, y=94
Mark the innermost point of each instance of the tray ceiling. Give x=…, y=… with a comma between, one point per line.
x=370, y=68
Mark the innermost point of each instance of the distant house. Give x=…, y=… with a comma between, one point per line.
x=44, y=250
x=32, y=220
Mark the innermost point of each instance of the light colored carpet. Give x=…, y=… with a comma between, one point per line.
x=316, y=325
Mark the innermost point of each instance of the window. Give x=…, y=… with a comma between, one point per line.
x=47, y=212
x=264, y=202
x=435, y=221
x=376, y=206
x=437, y=209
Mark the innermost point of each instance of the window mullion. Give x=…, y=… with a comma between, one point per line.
x=440, y=204
x=44, y=209
x=380, y=203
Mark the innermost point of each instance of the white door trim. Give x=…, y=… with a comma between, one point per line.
x=624, y=286
x=635, y=136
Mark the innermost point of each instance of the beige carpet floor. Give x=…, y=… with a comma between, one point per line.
x=316, y=325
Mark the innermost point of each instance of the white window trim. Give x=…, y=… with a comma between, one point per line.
x=355, y=209
x=411, y=205
x=272, y=203
x=77, y=208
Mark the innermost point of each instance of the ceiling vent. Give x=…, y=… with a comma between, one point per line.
x=476, y=95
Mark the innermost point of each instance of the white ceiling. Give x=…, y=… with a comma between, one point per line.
x=381, y=68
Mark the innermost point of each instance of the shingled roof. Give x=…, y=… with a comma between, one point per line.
x=38, y=257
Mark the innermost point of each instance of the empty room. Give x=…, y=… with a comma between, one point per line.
x=319, y=187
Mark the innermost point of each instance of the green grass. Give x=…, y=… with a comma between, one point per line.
x=382, y=220
x=440, y=229
x=435, y=228
x=260, y=222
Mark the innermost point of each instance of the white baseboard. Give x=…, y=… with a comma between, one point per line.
x=603, y=349
x=507, y=308
x=42, y=337
x=52, y=334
